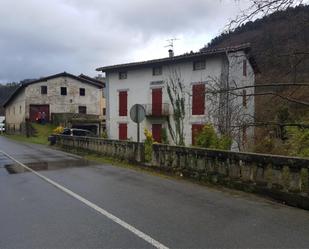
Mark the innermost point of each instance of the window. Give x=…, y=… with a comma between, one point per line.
x=199, y=65
x=244, y=67
x=63, y=90
x=43, y=89
x=198, y=99
x=20, y=109
x=123, y=103
x=104, y=111
x=157, y=132
x=123, y=131
x=157, y=70
x=196, y=129
x=244, y=98
x=82, y=109
x=122, y=75
x=82, y=91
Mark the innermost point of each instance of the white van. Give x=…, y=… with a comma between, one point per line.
x=2, y=124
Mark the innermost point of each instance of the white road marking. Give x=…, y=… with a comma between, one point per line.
x=110, y=216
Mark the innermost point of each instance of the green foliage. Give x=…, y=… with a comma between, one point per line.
x=148, y=145
x=104, y=135
x=164, y=136
x=176, y=94
x=41, y=134
x=298, y=141
x=208, y=138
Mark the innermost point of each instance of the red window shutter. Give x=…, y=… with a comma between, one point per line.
x=198, y=99
x=244, y=67
x=156, y=132
x=196, y=129
x=123, y=103
x=123, y=132
x=157, y=102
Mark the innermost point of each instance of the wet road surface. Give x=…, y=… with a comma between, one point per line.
x=36, y=214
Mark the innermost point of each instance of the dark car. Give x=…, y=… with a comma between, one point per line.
x=77, y=132
x=72, y=132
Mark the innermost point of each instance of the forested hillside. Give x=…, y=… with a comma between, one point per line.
x=5, y=91
x=280, y=46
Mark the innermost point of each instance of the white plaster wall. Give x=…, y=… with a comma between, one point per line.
x=237, y=79
x=138, y=85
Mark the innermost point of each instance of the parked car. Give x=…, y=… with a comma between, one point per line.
x=77, y=132
x=72, y=132
x=2, y=127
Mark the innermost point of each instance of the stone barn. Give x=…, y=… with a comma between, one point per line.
x=74, y=101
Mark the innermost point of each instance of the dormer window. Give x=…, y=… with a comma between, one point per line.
x=157, y=71
x=199, y=65
x=122, y=75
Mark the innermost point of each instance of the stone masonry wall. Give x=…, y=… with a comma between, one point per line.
x=123, y=150
x=282, y=178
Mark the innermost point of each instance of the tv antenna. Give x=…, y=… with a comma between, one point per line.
x=171, y=43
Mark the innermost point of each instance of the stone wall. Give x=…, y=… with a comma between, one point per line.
x=282, y=178
x=123, y=150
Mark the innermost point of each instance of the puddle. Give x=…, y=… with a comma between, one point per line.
x=53, y=165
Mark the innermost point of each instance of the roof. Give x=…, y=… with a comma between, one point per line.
x=82, y=78
x=179, y=58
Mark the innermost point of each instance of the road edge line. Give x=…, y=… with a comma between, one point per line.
x=90, y=204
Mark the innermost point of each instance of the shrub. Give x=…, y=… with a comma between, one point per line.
x=208, y=138
x=104, y=135
x=298, y=141
x=58, y=130
x=164, y=136
x=148, y=145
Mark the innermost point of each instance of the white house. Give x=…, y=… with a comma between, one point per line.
x=216, y=86
x=61, y=97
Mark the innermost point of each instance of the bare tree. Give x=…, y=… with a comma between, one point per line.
x=260, y=8
x=176, y=93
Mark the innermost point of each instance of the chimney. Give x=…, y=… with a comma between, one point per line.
x=171, y=53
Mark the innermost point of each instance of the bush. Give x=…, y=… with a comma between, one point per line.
x=58, y=130
x=104, y=135
x=208, y=138
x=148, y=145
x=164, y=136
x=298, y=141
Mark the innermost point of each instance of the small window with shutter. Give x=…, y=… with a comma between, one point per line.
x=123, y=103
x=244, y=67
x=43, y=89
x=198, y=99
x=123, y=131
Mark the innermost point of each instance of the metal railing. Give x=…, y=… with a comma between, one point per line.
x=154, y=110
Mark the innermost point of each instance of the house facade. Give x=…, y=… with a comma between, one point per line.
x=199, y=79
x=63, y=98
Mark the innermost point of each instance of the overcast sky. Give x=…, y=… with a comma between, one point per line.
x=44, y=37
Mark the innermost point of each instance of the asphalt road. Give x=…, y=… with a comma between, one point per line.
x=172, y=213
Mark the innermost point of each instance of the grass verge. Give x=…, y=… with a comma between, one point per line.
x=42, y=133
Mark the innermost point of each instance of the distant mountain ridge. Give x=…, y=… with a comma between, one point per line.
x=5, y=93
x=280, y=44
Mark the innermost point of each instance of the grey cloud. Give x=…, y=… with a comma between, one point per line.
x=41, y=37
